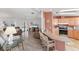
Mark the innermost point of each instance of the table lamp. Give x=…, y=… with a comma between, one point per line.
x=9, y=32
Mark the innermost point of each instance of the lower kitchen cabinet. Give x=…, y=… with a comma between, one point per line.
x=73, y=34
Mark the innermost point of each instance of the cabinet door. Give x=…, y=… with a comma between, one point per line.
x=76, y=34
x=71, y=21
x=70, y=33
x=63, y=20
x=76, y=21
x=76, y=31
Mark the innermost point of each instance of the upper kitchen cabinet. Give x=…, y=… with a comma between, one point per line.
x=63, y=20
x=76, y=21
x=71, y=21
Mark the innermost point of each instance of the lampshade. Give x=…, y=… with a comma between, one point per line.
x=10, y=30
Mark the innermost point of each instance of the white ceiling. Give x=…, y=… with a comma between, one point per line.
x=30, y=12
x=66, y=11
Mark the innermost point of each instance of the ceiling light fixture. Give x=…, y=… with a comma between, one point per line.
x=65, y=10
x=67, y=13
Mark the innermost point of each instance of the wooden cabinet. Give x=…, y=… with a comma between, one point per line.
x=71, y=21
x=73, y=34
x=74, y=22
x=64, y=20
x=76, y=34
x=70, y=33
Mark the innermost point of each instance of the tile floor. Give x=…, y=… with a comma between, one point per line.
x=70, y=44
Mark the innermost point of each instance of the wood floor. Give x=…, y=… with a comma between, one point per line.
x=32, y=44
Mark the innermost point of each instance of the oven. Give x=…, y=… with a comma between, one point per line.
x=63, y=29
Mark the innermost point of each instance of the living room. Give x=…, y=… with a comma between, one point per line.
x=40, y=29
